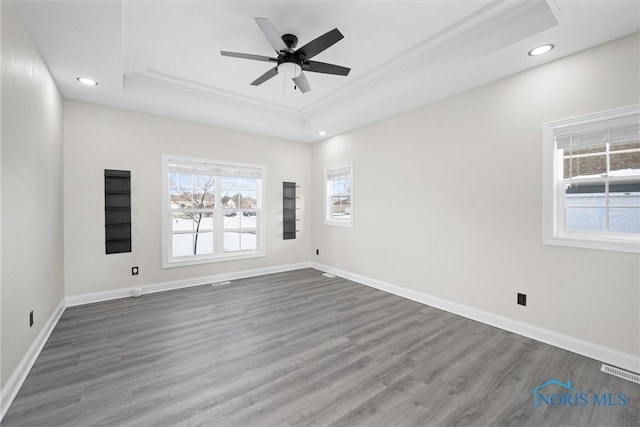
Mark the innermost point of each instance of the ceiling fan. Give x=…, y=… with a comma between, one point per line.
x=292, y=62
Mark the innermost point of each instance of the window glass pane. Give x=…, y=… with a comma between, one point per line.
x=204, y=190
x=624, y=199
x=231, y=225
x=203, y=243
x=181, y=235
x=624, y=220
x=180, y=191
x=341, y=207
x=341, y=186
x=623, y=164
x=248, y=224
x=240, y=231
x=203, y=222
x=625, y=146
x=203, y=233
x=585, y=166
x=585, y=195
x=625, y=193
x=239, y=193
x=192, y=234
x=585, y=219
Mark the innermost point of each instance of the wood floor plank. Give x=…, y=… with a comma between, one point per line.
x=297, y=349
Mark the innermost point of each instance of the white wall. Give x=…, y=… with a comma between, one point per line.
x=98, y=138
x=448, y=201
x=32, y=216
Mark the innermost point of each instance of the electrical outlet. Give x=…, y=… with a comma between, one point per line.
x=522, y=299
x=134, y=271
x=317, y=251
x=31, y=318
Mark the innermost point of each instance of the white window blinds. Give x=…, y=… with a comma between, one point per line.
x=615, y=131
x=338, y=173
x=215, y=170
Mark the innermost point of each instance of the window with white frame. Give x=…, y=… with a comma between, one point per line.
x=592, y=181
x=339, y=194
x=212, y=211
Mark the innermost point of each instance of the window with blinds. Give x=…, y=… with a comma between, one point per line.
x=339, y=195
x=596, y=179
x=212, y=210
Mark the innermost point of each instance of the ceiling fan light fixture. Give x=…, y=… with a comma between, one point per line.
x=289, y=69
x=541, y=50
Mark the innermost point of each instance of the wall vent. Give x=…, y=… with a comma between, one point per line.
x=226, y=282
x=329, y=275
x=629, y=376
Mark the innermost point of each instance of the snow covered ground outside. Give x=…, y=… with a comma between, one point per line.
x=239, y=234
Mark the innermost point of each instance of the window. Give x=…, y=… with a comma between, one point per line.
x=339, y=195
x=212, y=211
x=592, y=181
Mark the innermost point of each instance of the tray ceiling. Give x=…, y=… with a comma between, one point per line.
x=164, y=57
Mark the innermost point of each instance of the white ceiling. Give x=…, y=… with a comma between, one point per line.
x=163, y=57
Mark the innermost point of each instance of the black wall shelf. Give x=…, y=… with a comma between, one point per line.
x=289, y=210
x=117, y=211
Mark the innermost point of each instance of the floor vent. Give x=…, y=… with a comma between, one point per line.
x=629, y=376
x=329, y=275
x=226, y=282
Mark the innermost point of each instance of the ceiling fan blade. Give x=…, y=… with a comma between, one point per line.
x=248, y=56
x=266, y=76
x=319, y=44
x=323, y=67
x=302, y=83
x=271, y=34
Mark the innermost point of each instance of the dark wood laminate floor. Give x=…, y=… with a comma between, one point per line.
x=298, y=349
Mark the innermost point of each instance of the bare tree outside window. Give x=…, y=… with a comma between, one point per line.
x=197, y=200
x=212, y=211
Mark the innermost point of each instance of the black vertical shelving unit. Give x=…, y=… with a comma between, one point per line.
x=288, y=210
x=117, y=211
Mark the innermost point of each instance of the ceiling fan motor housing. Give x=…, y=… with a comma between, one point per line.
x=290, y=40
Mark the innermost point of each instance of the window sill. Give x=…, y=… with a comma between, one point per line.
x=339, y=224
x=187, y=261
x=595, y=242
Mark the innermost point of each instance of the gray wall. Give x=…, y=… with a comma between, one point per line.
x=448, y=201
x=32, y=194
x=99, y=137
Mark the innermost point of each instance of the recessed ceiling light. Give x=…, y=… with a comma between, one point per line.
x=87, y=81
x=541, y=50
x=322, y=132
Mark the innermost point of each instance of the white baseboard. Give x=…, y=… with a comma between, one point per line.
x=604, y=354
x=11, y=388
x=576, y=345
x=179, y=284
x=9, y=392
